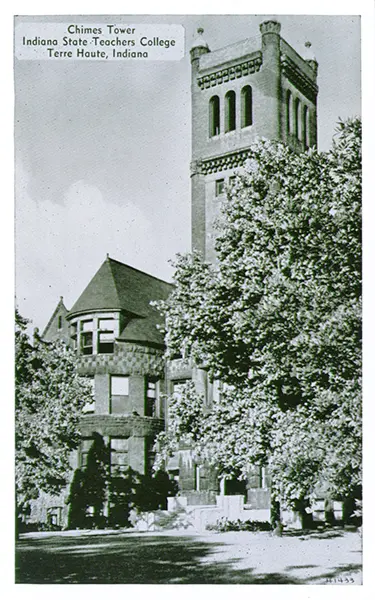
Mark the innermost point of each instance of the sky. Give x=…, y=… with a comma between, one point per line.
x=102, y=150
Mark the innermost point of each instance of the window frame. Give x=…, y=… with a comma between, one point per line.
x=90, y=407
x=152, y=401
x=289, y=112
x=119, y=466
x=214, y=116
x=305, y=127
x=247, y=117
x=230, y=111
x=83, y=335
x=297, y=119
x=219, y=187
x=104, y=330
x=85, y=447
x=120, y=401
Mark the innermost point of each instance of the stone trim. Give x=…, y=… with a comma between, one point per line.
x=120, y=426
x=223, y=162
x=296, y=76
x=270, y=27
x=223, y=75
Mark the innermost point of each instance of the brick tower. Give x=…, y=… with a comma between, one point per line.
x=260, y=87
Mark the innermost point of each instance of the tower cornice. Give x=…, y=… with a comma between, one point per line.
x=296, y=76
x=242, y=69
x=230, y=160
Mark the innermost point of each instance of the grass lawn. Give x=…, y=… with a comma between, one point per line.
x=329, y=557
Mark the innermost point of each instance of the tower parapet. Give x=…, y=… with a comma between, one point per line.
x=258, y=87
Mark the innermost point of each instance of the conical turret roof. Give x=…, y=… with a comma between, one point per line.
x=119, y=287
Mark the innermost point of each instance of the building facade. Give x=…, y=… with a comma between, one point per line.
x=259, y=87
x=114, y=330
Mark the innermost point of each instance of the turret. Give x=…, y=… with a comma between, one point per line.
x=310, y=58
x=270, y=31
x=199, y=46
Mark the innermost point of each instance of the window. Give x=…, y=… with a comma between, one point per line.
x=246, y=106
x=289, y=112
x=305, y=127
x=87, y=337
x=73, y=335
x=219, y=187
x=214, y=116
x=106, y=336
x=197, y=477
x=59, y=322
x=230, y=111
x=119, y=455
x=214, y=390
x=85, y=448
x=179, y=386
x=151, y=397
x=95, y=335
x=54, y=515
x=89, y=407
x=297, y=118
x=150, y=455
x=120, y=401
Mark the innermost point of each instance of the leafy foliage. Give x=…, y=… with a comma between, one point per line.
x=97, y=498
x=277, y=320
x=224, y=524
x=49, y=396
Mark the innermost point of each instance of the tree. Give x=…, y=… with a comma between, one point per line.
x=95, y=480
x=77, y=515
x=98, y=497
x=278, y=321
x=49, y=396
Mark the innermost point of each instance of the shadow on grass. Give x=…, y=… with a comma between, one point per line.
x=136, y=558
x=306, y=534
x=345, y=571
x=130, y=559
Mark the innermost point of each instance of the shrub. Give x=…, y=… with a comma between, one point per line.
x=129, y=491
x=224, y=524
x=177, y=519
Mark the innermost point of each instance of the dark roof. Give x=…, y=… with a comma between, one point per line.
x=60, y=308
x=117, y=286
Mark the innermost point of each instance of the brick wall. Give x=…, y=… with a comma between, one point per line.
x=127, y=359
x=271, y=67
x=120, y=426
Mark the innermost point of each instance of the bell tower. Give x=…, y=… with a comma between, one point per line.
x=260, y=87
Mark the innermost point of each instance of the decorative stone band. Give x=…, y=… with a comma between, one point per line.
x=128, y=358
x=223, y=75
x=120, y=426
x=298, y=78
x=179, y=367
x=220, y=163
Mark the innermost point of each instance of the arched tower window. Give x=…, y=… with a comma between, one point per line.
x=246, y=106
x=305, y=127
x=214, y=116
x=230, y=111
x=289, y=111
x=297, y=118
